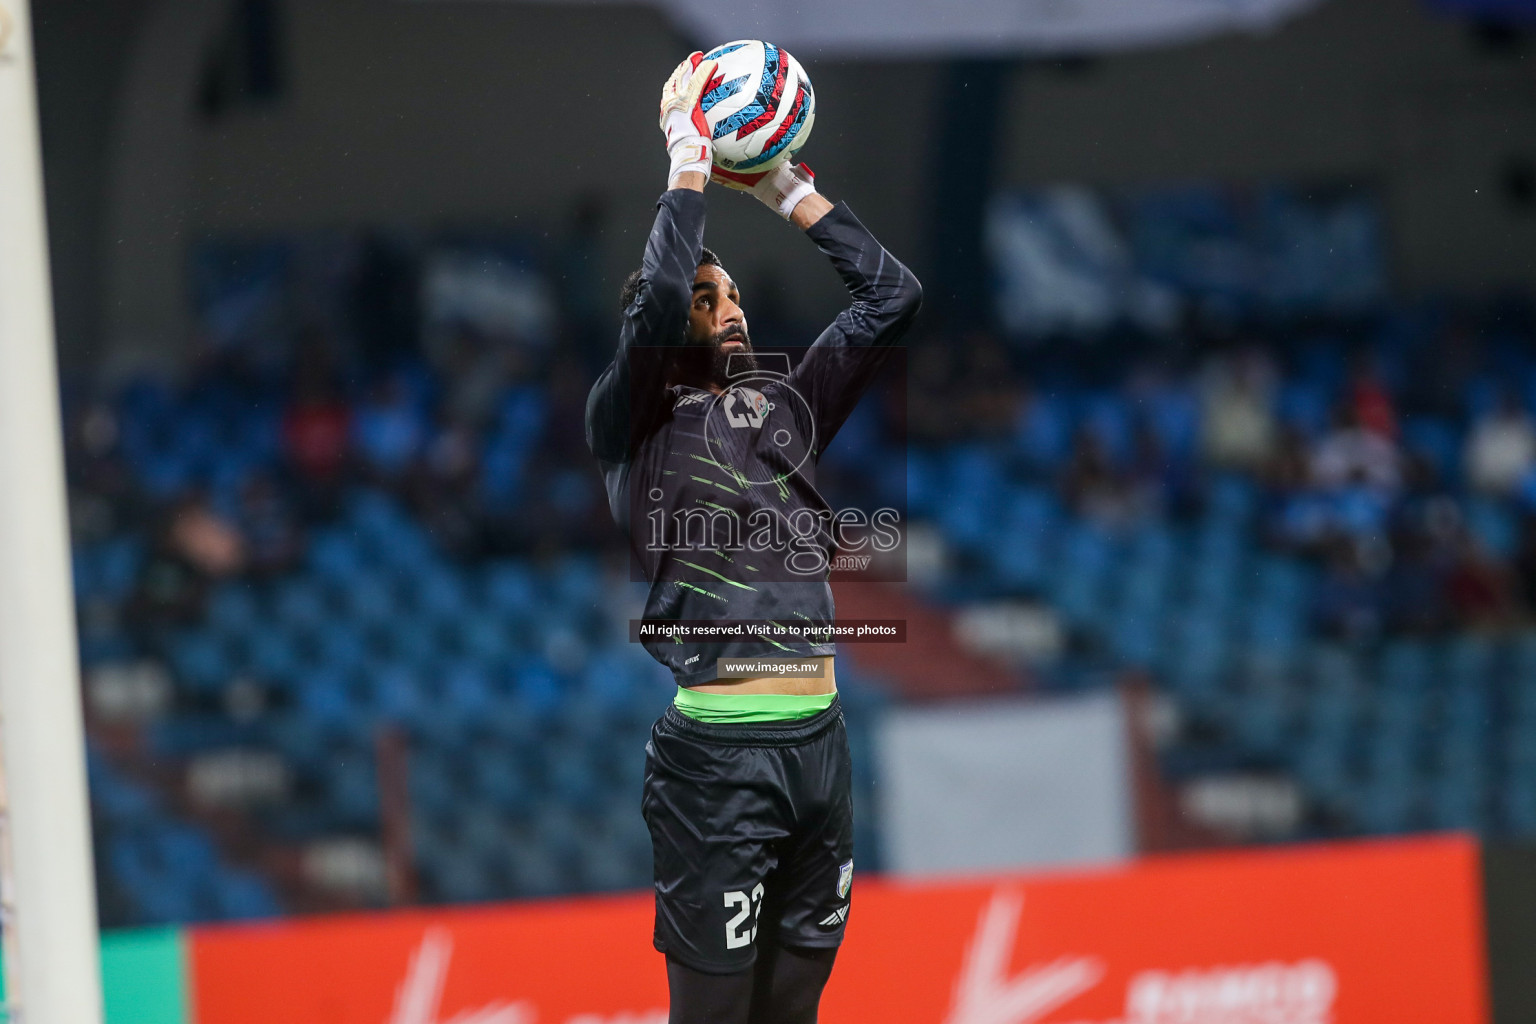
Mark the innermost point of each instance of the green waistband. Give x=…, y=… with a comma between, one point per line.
x=750, y=707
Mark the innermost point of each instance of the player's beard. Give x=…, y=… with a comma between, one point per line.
x=704, y=363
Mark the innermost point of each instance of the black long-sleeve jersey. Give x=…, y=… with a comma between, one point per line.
x=718, y=492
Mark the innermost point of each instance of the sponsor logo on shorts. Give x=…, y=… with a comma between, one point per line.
x=835, y=918
x=844, y=879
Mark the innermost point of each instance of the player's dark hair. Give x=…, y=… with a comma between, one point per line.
x=631, y=286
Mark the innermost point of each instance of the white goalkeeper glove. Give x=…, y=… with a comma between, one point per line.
x=682, y=120
x=780, y=189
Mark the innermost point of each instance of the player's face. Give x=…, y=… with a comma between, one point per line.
x=716, y=317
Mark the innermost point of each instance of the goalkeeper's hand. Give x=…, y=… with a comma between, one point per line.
x=682, y=119
x=780, y=189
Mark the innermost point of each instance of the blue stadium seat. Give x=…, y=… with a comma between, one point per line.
x=578, y=583
x=1019, y=560
x=536, y=870
x=1469, y=660
x=300, y=738
x=1107, y=416
x=1386, y=805
x=968, y=523
x=1304, y=406
x=483, y=831
x=1436, y=440
x=274, y=655
x=1518, y=801
x=300, y=605
x=1264, y=719
x=1494, y=525
x=352, y=790
x=335, y=553
x=1137, y=636
x=118, y=563
x=511, y=587
x=370, y=599
x=539, y=689
x=1455, y=801
x=1043, y=432
x=572, y=779
x=460, y=875
x=326, y=698
x=411, y=642
x=466, y=687
x=1198, y=656
x=609, y=868
x=432, y=784
x=200, y=660
x=1175, y=416
x=185, y=852
x=233, y=608
x=439, y=592
x=243, y=896
x=397, y=693
x=499, y=778
x=1322, y=765
x=341, y=647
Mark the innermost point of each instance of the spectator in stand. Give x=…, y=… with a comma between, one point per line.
x=1413, y=587
x=193, y=548
x=102, y=493
x=168, y=591
x=1162, y=484
x=273, y=539
x=443, y=493
x=1373, y=406
x=1237, y=410
x=1352, y=453
x=206, y=540
x=1348, y=603
x=1479, y=589
x=477, y=369
x=389, y=431
x=316, y=442
x=1289, y=467
x=1297, y=517
x=1094, y=487
x=1501, y=448
x=987, y=393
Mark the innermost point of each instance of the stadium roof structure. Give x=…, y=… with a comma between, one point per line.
x=974, y=27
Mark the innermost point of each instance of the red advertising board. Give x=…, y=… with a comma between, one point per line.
x=1338, y=934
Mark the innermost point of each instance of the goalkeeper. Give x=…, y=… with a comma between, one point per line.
x=747, y=783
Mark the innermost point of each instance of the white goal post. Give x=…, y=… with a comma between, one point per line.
x=51, y=896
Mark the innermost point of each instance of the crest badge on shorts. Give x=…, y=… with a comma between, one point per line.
x=844, y=879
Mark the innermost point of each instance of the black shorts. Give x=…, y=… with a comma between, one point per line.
x=752, y=830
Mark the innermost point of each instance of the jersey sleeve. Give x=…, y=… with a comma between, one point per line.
x=838, y=368
x=631, y=393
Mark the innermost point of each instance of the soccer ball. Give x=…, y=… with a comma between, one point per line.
x=759, y=106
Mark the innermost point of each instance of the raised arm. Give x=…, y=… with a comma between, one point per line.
x=631, y=393
x=834, y=374
x=886, y=296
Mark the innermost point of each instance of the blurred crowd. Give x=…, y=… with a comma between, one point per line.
x=1405, y=469
x=1409, y=476
x=227, y=470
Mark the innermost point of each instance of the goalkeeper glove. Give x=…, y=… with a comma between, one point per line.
x=682, y=119
x=780, y=189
